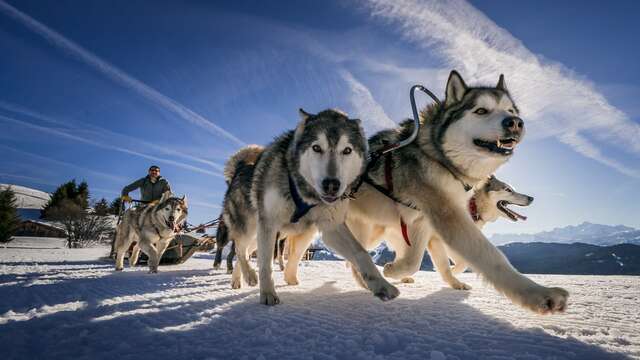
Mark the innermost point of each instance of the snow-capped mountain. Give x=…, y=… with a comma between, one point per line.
x=588, y=233
x=29, y=201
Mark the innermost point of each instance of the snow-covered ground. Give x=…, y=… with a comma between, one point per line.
x=70, y=304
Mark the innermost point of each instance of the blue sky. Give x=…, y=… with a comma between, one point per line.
x=100, y=90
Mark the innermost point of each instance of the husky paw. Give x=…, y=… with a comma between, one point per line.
x=269, y=298
x=407, y=280
x=392, y=271
x=216, y=266
x=229, y=271
x=544, y=300
x=119, y=268
x=459, y=285
x=236, y=283
x=381, y=288
x=252, y=278
x=153, y=271
x=291, y=279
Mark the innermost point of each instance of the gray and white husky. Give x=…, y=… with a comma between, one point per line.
x=459, y=145
x=152, y=228
x=298, y=188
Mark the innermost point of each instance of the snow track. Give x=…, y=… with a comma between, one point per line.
x=81, y=308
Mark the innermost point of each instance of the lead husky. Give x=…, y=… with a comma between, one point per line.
x=153, y=227
x=298, y=187
x=459, y=144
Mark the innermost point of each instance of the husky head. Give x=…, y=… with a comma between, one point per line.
x=494, y=198
x=478, y=128
x=329, y=152
x=172, y=210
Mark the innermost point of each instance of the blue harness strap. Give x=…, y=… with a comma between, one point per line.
x=302, y=208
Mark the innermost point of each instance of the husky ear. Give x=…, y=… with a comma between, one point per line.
x=184, y=200
x=303, y=114
x=501, y=85
x=456, y=88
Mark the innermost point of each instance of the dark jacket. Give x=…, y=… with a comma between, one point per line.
x=149, y=191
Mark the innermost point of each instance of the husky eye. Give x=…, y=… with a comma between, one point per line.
x=512, y=111
x=347, y=151
x=508, y=190
x=481, y=111
x=316, y=148
x=167, y=209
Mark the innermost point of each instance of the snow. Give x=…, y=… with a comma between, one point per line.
x=28, y=198
x=69, y=303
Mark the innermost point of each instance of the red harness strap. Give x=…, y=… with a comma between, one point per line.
x=388, y=178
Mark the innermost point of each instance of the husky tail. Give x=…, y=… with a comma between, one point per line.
x=248, y=155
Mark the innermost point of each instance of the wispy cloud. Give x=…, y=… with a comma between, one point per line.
x=366, y=107
x=116, y=74
x=555, y=100
x=52, y=161
x=27, y=178
x=106, y=135
x=65, y=134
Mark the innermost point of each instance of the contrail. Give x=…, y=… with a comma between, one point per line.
x=116, y=74
x=102, y=131
x=66, y=135
x=116, y=179
x=367, y=108
x=470, y=42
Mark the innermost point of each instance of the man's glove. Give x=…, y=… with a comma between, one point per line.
x=126, y=198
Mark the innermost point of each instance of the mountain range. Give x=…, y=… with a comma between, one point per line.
x=587, y=233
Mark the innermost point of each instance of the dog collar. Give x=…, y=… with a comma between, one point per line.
x=473, y=209
x=302, y=208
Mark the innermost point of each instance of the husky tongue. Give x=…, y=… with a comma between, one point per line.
x=510, y=213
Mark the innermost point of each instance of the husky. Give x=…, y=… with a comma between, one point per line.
x=460, y=143
x=299, y=186
x=487, y=205
x=152, y=228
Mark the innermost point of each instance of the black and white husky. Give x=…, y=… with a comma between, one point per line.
x=459, y=145
x=298, y=187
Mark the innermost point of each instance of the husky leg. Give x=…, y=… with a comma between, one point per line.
x=461, y=235
x=152, y=253
x=266, y=242
x=408, y=258
x=298, y=244
x=342, y=241
x=135, y=253
x=218, y=258
x=440, y=261
x=245, y=246
x=123, y=241
x=230, y=257
x=281, y=244
x=459, y=264
x=236, y=278
x=162, y=247
x=357, y=276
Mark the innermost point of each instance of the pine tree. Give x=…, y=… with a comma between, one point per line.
x=9, y=219
x=78, y=194
x=101, y=208
x=114, y=208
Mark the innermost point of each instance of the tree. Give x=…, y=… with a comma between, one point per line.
x=78, y=194
x=101, y=208
x=114, y=208
x=83, y=229
x=9, y=219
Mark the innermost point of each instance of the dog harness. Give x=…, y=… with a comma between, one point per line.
x=388, y=179
x=302, y=208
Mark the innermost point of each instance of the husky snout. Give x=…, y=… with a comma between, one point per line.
x=513, y=124
x=330, y=188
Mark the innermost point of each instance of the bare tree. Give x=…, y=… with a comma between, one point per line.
x=83, y=229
